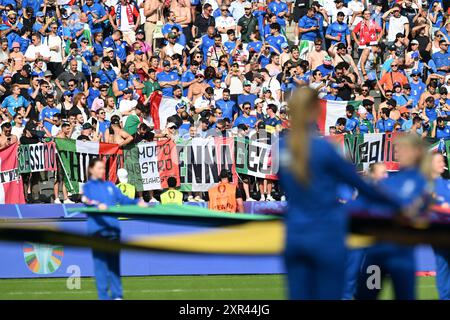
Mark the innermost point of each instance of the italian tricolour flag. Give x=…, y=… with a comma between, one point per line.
x=330, y=111
x=75, y=155
x=161, y=108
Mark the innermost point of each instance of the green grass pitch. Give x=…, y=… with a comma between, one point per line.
x=226, y=287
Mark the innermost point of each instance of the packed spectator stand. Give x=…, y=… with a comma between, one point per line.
x=101, y=71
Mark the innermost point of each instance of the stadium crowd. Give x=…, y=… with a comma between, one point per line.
x=87, y=69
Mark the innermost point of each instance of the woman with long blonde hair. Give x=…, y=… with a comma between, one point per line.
x=311, y=172
x=411, y=186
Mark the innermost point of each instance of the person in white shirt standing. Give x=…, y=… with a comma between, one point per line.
x=237, y=9
x=37, y=50
x=55, y=45
x=357, y=8
x=340, y=7
x=272, y=84
x=125, y=17
x=397, y=24
x=18, y=127
x=224, y=22
x=57, y=122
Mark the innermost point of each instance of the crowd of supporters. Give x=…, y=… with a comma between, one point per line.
x=87, y=69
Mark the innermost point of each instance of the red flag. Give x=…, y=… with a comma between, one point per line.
x=11, y=186
x=155, y=101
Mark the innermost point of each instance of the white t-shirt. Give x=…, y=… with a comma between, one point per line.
x=236, y=86
x=396, y=25
x=43, y=49
x=356, y=6
x=274, y=85
x=17, y=131
x=225, y=22
x=218, y=93
x=55, y=130
x=124, y=23
x=334, y=11
x=125, y=106
x=176, y=48
x=52, y=41
x=201, y=102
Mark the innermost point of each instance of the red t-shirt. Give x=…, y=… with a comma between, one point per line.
x=367, y=32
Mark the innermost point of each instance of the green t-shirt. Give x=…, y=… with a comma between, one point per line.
x=131, y=124
x=248, y=25
x=149, y=87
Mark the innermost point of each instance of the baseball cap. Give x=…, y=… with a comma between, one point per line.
x=392, y=47
x=172, y=35
x=108, y=49
x=180, y=106
x=87, y=126
x=404, y=110
x=362, y=110
x=327, y=60
x=334, y=85
x=11, y=12
x=415, y=71
x=26, y=68
x=397, y=84
x=200, y=73
x=127, y=91
x=258, y=100
x=7, y=75
x=171, y=125
x=166, y=63
x=414, y=41
x=138, y=52
x=39, y=14
x=284, y=45
x=247, y=5
x=15, y=45
x=67, y=93
x=122, y=175
x=247, y=83
x=48, y=73
x=140, y=30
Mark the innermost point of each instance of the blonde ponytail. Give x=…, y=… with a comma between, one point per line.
x=302, y=106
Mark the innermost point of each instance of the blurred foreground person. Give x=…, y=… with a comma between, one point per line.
x=410, y=187
x=103, y=194
x=311, y=172
x=442, y=197
x=376, y=172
